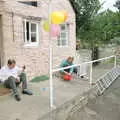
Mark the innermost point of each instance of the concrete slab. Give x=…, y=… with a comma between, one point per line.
x=106, y=107
x=33, y=107
x=36, y=106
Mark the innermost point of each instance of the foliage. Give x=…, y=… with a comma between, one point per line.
x=85, y=10
x=117, y=40
x=93, y=27
x=107, y=26
x=104, y=27
x=117, y=4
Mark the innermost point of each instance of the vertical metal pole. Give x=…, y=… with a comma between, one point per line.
x=115, y=61
x=91, y=73
x=50, y=62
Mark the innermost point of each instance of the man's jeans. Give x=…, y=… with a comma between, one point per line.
x=12, y=84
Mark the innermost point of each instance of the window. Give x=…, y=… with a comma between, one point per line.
x=63, y=38
x=32, y=3
x=31, y=34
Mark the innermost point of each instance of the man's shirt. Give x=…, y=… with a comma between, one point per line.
x=6, y=72
x=65, y=63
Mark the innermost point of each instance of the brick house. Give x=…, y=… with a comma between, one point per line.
x=23, y=38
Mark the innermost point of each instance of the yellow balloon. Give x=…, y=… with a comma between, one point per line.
x=57, y=17
x=46, y=26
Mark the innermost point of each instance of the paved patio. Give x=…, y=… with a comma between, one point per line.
x=34, y=107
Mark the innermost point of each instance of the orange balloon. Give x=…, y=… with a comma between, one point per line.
x=65, y=15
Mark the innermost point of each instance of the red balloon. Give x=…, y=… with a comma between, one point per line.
x=67, y=77
x=70, y=77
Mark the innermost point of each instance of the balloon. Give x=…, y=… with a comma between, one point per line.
x=67, y=77
x=46, y=26
x=65, y=15
x=57, y=17
x=55, y=30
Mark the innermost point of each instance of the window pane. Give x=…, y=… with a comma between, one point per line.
x=58, y=38
x=33, y=27
x=28, y=32
x=58, y=43
x=63, y=38
x=24, y=36
x=63, y=35
x=24, y=26
x=64, y=42
x=33, y=37
x=62, y=27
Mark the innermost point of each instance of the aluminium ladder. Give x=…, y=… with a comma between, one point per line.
x=105, y=81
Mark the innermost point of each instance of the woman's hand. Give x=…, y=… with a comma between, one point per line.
x=23, y=68
x=67, y=73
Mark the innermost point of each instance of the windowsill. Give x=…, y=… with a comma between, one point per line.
x=66, y=46
x=31, y=44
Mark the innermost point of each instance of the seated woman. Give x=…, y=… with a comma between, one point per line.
x=66, y=63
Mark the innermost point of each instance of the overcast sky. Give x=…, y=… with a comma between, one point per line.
x=108, y=4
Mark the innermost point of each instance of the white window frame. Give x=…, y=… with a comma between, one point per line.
x=29, y=43
x=67, y=36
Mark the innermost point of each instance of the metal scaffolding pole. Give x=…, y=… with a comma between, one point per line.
x=50, y=62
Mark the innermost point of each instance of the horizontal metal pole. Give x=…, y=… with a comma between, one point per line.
x=76, y=65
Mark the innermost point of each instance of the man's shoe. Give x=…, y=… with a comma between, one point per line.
x=27, y=92
x=17, y=97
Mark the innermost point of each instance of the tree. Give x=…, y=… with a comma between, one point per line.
x=85, y=10
x=117, y=4
x=93, y=27
x=104, y=27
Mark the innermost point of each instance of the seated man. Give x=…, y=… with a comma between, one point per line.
x=65, y=63
x=11, y=77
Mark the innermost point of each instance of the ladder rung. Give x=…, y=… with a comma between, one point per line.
x=100, y=86
x=103, y=83
x=110, y=76
x=107, y=80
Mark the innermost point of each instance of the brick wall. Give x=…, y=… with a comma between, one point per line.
x=36, y=59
